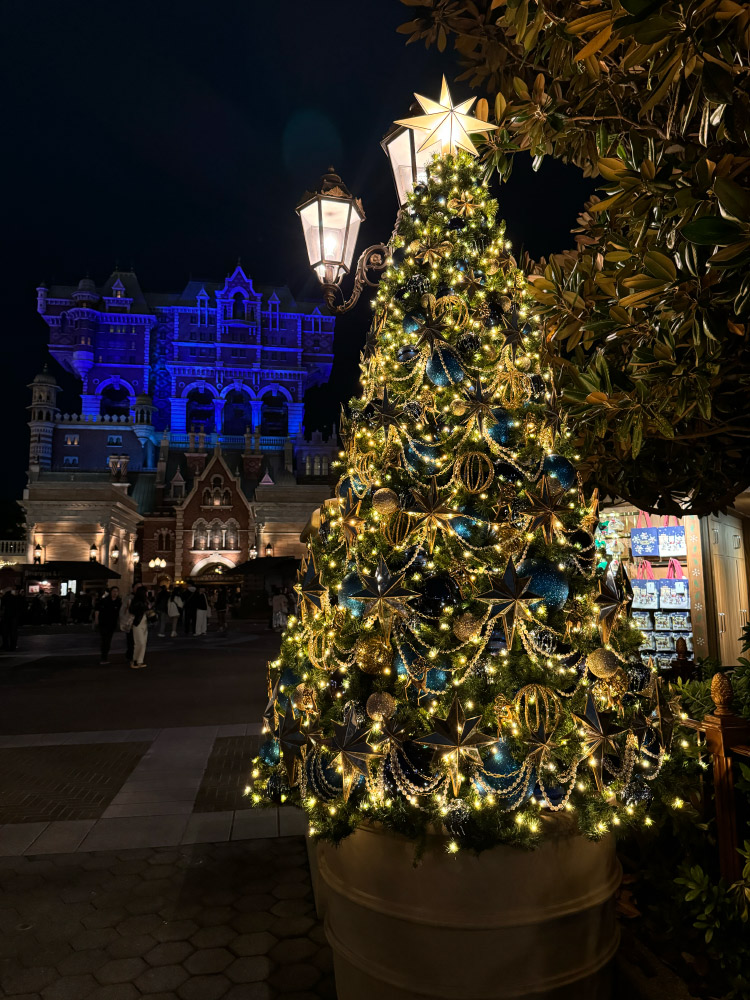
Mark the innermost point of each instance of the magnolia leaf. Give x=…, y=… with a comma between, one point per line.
x=712, y=230
x=500, y=105
x=482, y=110
x=660, y=265
x=594, y=45
x=734, y=199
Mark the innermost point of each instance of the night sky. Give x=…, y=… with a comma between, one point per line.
x=174, y=138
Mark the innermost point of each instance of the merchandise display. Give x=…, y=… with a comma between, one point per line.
x=655, y=557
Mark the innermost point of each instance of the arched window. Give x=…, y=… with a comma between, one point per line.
x=226, y=499
x=324, y=466
x=238, y=306
x=232, y=535
x=316, y=465
x=200, y=410
x=308, y=465
x=237, y=412
x=200, y=534
x=273, y=415
x=206, y=497
x=114, y=402
x=216, y=532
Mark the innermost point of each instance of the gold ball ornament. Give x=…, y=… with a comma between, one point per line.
x=609, y=692
x=602, y=663
x=373, y=656
x=385, y=502
x=474, y=470
x=380, y=706
x=303, y=698
x=467, y=625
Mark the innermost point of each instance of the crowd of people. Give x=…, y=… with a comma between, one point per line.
x=170, y=610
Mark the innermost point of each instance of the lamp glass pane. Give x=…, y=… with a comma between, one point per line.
x=309, y=217
x=399, y=153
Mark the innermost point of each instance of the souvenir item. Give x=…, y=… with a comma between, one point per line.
x=663, y=642
x=671, y=539
x=674, y=591
x=662, y=621
x=644, y=538
x=645, y=589
x=680, y=621
x=643, y=621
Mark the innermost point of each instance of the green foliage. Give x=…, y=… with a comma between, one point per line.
x=647, y=319
x=719, y=911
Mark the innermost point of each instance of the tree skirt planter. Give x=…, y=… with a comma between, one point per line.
x=508, y=923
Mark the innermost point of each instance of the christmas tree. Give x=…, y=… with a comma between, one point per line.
x=459, y=660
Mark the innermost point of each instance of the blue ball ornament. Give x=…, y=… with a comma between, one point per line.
x=438, y=592
x=427, y=456
x=502, y=774
x=444, y=369
x=500, y=431
x=353, y=483
x=436, y=679
x=546, y=580
x=405, y=355
x=289, y=678
x=457, y=223
x=559, y=468
x=555, y=794
x=270, y=753
x=351, y=584
x=412, y=322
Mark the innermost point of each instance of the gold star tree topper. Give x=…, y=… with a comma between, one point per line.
x=445, y=125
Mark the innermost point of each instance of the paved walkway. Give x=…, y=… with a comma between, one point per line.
x=130, y=864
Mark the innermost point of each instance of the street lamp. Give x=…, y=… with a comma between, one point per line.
x=408, y=161
x=92, y=553
x=157, y=563
x=254, y=552
x=330, y=218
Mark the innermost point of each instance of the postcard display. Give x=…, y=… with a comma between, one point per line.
x=663, y=559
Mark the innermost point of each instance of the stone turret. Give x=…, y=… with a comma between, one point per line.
x=44, y=413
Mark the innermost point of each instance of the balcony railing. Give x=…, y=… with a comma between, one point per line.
x=12, y=547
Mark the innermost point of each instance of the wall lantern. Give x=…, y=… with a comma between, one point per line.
x=92, y=553
x=37, y=554
x=269, y=549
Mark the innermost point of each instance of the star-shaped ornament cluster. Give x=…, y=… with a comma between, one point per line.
x=456, y=740
x=544, y=507
x=510, y=598
x=431, y=512
x=384, y=596
x=352, y=750
x=599, y=735
x=444, y=125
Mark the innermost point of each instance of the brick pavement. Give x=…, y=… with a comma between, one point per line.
x=203, y=922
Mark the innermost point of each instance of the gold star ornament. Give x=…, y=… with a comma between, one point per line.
x=446, y=125
x=456, y=739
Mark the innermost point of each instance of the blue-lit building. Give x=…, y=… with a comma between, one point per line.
x=172, y=384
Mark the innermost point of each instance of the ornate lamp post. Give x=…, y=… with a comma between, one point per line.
x=331, y=216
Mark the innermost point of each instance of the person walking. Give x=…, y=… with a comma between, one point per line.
x=107, y=620
x=279, y=607
x=161, y=607
x=174, y=607
x=11, y=607
x=190, y=609
x=221, y=609
x=201, y=612
x=139, y=611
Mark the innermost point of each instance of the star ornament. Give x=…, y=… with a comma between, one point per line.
x=510, y=597
x=446, y=125
x=384, y=596
x=431, y=513
x=476, y=407
x=599, y=738
x=310, y=589
x=386, y=413
x=291, y=740
x=544, y=508
x=351, y=522
x=352, y=751
x=455, y=740
x=610, y=603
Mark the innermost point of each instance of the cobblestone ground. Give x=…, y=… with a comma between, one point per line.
x=229, y=921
